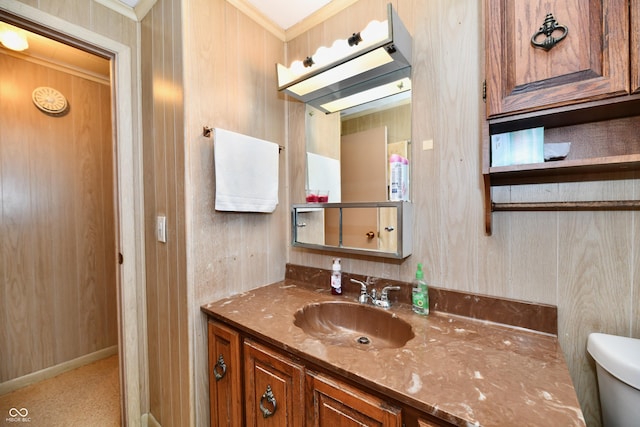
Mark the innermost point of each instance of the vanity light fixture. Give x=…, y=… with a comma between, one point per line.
x=384, y=90
x=13, y=38
x=365, y=60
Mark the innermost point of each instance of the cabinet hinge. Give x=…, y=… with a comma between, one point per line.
x=484, y=91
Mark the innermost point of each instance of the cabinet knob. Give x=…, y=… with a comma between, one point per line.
x=268, y=398
x=220, y=368
x=549, y=26
x=371, y=235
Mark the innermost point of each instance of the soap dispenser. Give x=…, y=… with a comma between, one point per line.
x=420, y=293
x=336, y=277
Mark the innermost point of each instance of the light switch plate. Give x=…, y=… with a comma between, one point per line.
x=161, y=228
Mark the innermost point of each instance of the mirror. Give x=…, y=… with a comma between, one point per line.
x=361, y=154
x=381, y=229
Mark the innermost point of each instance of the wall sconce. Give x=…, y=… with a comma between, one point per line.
x=13, y=38
x=367, y=59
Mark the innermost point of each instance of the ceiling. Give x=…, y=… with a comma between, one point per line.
x=286, y=13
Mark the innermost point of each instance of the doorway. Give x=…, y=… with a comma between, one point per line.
x=57, y=211
x=128, y=188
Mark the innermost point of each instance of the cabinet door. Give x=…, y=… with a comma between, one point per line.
x=590, y=63
x=634, y=8
x=225, y=376
x=337, y=404
x=274, y=388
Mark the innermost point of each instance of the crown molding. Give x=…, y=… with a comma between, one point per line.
x=134, y=13
x=248, y=9
x=309, y=22
x=318, y=17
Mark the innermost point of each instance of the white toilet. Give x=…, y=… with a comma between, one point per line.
x=618, y=369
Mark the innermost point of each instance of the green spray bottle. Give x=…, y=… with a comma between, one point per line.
x=420, y=293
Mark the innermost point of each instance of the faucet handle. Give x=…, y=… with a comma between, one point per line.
x=363, y=290
x=386, y=289
x=384, y=296
x=363, y=285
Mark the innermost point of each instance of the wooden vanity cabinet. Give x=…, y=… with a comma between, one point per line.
x=274, y=388
x=335, y=403
x=263, y=387
x=225, y=376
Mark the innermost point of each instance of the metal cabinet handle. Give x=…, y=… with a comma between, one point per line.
x=548, y=27
x=270, y=399
x=221, y=366
x=371, y=235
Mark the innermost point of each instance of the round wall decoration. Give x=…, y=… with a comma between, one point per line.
x=49, y=100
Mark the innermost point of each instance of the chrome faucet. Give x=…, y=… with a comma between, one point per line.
x=364, y=295
x=383, y=301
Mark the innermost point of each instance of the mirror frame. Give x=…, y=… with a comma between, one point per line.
x=404, y=228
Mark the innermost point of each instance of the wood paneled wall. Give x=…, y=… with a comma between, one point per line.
x=231, y=84
x=164, y=166
x=57, y=252
x=586, y=263
x=228, y=82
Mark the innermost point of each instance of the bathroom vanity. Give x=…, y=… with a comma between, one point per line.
x=274, y=359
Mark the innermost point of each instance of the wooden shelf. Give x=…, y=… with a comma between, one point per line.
x=598, y=168
x=569, y=115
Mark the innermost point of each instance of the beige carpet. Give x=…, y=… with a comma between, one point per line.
x=86, y=396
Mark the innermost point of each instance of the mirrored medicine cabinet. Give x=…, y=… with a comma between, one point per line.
x=379, y=229
x=358, y=159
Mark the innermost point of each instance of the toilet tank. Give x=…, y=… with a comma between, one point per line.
x=618, y=370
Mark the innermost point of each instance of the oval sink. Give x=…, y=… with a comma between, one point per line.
x=353, y=325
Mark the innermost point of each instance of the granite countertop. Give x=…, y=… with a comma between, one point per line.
x=462, y=370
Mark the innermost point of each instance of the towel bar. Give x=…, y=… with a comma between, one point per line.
x=207, y=131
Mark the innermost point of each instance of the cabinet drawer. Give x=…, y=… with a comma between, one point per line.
x=335, y=403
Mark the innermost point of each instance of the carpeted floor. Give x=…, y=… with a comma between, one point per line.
x=86, y=396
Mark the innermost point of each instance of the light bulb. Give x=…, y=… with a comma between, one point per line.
x=13, y=38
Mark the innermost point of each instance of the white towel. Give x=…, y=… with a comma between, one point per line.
x=246, y=170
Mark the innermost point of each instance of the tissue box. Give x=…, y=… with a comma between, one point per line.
x=518, y=147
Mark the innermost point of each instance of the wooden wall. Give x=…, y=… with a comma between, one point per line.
x=164, y=166
x=57, y=221
x=228, y=82
x=586, y=263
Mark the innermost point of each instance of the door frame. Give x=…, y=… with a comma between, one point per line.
x=129, y=198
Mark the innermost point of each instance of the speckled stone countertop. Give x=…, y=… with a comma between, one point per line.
x=461, y=370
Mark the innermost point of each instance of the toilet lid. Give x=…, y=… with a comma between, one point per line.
x=620, y=356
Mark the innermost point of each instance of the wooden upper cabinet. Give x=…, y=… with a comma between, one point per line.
x=591, y=63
